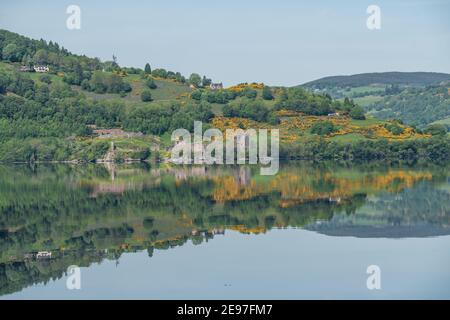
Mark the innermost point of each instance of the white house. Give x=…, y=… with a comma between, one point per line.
x=41, y=69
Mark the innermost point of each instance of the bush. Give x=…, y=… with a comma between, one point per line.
x=196, y=95
x=45, y=78
x=323, y=128
x=394, y=128
x=85, y=85
x=250, y=93
x=146, y=96
x=150, y=83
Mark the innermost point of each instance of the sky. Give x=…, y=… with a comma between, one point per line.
x=282, y=42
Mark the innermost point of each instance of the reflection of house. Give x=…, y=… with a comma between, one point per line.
x=116, y=133
x=337, y=199
x=41, y=69
x=218, y=231
x=216, y=86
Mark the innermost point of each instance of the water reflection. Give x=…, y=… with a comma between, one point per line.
x=84, y=214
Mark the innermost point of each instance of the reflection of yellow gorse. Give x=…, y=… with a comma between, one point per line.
x=228, y=188
x=244, y=229
x=297, y=188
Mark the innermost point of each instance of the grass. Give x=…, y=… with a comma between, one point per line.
x=351, y=137
x=6, y=66
x=166, y=89
x=369, y=121
x=372, y=89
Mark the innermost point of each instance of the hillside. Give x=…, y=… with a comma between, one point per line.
x=82, y=109
x=383, y=78
x=415, y=106
x=416, y=98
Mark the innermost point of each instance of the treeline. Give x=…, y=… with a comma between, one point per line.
x=436, y=149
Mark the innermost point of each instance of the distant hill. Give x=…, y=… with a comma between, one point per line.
x=382, y=78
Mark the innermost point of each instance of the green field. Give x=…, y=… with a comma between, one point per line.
x=367, y=100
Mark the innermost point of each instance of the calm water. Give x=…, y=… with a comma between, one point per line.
x=186, y=233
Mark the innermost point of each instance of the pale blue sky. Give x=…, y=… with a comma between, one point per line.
x=276, y=42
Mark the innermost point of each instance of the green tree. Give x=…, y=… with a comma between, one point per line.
x=160, y=73
x=41, y=56
x=357, y=113
x=10, y=52
x=206, y=82
x=147, y=68
x=195, y=79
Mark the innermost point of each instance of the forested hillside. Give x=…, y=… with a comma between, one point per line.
x=55, y=105
x=416, y=98
x=415, y=106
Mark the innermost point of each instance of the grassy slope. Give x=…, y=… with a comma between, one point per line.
x=445, y=121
